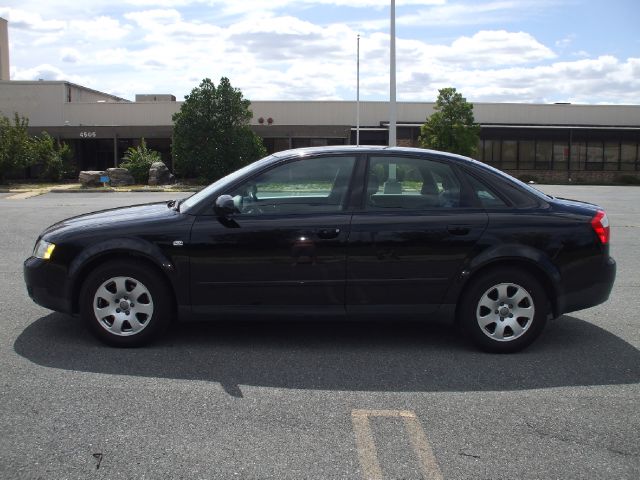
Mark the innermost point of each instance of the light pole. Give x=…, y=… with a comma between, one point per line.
x=392, y=79
x=358, y=95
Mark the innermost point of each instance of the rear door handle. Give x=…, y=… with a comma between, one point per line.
x=328, y=233
x=458, y=229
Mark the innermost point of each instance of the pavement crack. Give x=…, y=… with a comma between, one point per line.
x=465, y=454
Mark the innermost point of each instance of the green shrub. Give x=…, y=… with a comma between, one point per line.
x=53, y=157
x=15, y=146
x=138, y=161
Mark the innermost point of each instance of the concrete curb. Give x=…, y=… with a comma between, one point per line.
x=135, y=190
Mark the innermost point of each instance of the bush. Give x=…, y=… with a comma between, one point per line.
x=15, y=146
x=53, y=157
x=138, y=161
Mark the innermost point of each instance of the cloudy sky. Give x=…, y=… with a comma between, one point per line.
x=490, y=50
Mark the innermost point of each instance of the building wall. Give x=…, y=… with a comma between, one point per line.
x=41, y=104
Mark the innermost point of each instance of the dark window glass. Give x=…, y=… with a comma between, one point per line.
x=509, y=154
x=560, y=155
x=611, y=155
x=483, y=193
x=628, y=156
x=594, y=156
x=311, y=185
x=411, y=184
x=578, y=155
x=489, y=154
x=527, y=154
x=543, y=155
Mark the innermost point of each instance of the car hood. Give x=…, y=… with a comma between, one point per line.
x=121, y=217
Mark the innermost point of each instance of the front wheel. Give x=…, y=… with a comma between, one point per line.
x=504, y=310
x=125, y=304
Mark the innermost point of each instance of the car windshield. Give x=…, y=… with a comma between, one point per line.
x=194, y=199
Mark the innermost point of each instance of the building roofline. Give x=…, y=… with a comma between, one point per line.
x=63, y=82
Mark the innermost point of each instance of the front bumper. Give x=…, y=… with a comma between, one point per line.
x=47, y=284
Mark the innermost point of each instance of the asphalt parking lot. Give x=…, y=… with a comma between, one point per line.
x=316, y=400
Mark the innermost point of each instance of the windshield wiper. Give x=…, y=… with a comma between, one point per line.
x=171, y=203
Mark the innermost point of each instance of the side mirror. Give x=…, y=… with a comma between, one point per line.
x=225, y=206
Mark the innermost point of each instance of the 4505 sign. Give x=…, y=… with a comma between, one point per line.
x=87, y=134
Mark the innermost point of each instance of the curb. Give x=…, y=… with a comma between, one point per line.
x=87, y=190
x=102, y=190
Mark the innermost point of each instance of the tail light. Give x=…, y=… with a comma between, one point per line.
x=600, y=225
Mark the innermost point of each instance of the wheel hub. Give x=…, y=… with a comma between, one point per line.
x=123, y=306
x=505, y=312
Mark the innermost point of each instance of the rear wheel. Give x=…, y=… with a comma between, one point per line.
x=504, y=310
x=125, y=304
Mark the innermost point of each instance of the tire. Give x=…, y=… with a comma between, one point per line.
x=125, y=303
x=504, y=310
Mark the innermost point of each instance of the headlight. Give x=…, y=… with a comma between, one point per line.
x=43, y=250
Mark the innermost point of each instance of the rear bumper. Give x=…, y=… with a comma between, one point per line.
x=596, y=293
x=46, y=284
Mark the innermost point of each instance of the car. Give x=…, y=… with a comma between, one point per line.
x=335, y=233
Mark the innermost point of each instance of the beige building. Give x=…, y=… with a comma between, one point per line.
x=558, y=141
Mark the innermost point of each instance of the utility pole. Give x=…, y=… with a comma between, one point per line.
x=358, y=95
x=393, y=114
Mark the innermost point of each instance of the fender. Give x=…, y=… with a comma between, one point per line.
x=506, y=253
x=125, y=245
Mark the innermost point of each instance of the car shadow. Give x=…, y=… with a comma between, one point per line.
x=424, y=357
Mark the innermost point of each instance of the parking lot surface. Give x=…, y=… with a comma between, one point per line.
x=316, y=400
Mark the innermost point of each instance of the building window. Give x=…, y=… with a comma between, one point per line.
x=509, y=160
x=490, y=152
x=527, y=154
x=578, y=155
x=595, y=156
x=560, y=155
x=611, y=155
x=543, y=155
x=628, y=156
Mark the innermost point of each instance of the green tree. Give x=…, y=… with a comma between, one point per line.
x=211, y=134
x=451, y=128
x=52, y=156
x=15, y=145
x=138, y=161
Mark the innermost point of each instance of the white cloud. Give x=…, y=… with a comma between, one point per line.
x=271, y=50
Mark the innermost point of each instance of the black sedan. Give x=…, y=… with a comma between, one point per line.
x=340, y=233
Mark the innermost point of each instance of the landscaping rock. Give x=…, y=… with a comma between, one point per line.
x=120, y=177
x=159, y=174
x=91, y=178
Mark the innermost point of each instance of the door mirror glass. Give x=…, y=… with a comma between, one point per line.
x=225, y=206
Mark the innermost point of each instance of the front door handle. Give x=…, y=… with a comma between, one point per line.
x=328, y=233
x=458, y=229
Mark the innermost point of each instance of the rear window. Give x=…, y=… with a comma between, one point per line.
x=507, y=187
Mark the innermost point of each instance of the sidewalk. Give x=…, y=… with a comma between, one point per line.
x=40, y=191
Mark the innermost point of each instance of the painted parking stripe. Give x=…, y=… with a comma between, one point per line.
x=368, y=453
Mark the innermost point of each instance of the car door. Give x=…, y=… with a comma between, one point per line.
x=417, y=225
x=284, y=251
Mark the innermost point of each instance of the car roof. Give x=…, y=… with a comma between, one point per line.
x=362, y=149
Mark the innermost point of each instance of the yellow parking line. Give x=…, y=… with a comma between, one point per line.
x=368, y=454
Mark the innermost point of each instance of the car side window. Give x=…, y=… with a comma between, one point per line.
x=308, y=185
x=486, y=197
x=411, y=184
